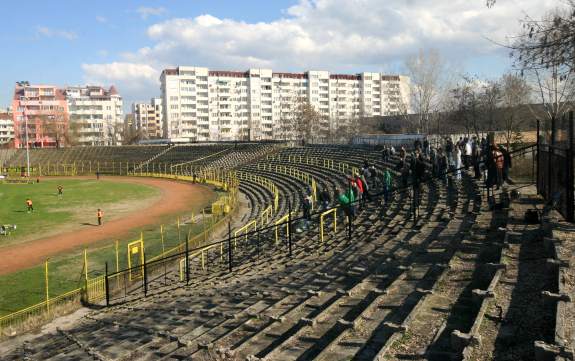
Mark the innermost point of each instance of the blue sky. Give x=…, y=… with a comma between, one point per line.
x=127, y=43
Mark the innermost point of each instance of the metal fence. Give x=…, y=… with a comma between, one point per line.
x=555, y=165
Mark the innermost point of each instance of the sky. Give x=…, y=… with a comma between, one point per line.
x=127, y=43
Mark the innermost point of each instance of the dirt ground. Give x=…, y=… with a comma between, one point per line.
x=175, y=197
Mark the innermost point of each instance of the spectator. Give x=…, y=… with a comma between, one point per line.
x=506, y=162
x=306, y=207
x=442, y=165
x=324, y=198
x=468, y=153
x=387, y=185
x=458, y=164
x=499, y=164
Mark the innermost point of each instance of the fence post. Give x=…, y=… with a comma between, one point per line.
x=47, y=287
x=107, y=287
x=229, y=246
x=289, y=228
x=187, y=261
x=145, y=274
x=550, y=159
x=570, y=191
x=538, y=155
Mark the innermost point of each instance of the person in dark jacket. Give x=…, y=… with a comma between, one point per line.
x=506, y=162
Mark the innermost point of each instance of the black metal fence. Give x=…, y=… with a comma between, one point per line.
x=555, y=165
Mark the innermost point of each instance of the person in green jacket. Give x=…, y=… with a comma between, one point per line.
x=387, y=185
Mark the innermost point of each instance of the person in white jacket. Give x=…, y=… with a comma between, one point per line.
x=468, y=151
x=457, y=163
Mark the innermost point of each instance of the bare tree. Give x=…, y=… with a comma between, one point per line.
x=547, y=43
x=307, y=121
x=554, y=91
x=57, y=127
x=515, y=93
x=426, y=71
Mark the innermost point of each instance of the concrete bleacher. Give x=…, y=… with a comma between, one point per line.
x=399, y=288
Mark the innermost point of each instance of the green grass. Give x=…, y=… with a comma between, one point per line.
x=66, y=271
x=51, y=213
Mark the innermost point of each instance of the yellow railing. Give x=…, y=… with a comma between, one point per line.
x=245, y=230
x=282, y=221
x=266, y=215
x=321, y=221
x=341, y=167
x=9, y=324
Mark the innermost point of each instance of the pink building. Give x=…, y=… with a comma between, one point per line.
x=46, y=110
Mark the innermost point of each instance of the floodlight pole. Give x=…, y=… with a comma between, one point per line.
x=27, y=145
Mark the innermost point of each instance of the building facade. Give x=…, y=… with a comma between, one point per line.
x=96, y=115
x=148, y=118
x=259, y=104
x=6, y=128
x=40, y=116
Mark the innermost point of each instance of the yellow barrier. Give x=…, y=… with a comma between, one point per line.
x=266, y=215
x=278, y=224
x=245, y=229
x=136, y=248
x=322, y=216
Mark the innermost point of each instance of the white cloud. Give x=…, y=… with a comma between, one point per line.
x=101, y=19
x=336, y=35
x=133, y=81
x=146, y=12
x=44, y=31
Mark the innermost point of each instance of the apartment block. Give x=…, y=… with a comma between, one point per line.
x=96, y=115
x=43, y=108
x=6, y=128
x=148, y=118
x=258, y=104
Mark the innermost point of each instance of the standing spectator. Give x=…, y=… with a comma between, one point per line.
x=360, y=190
x=100, y=215
x=426, y=146
x=442, y=165
x=97, y=175
x=449, y=152
x=499, y=164
x=344, y=202
x=387, y=185
x=306, y=207
x=433, y=160
x=468, y=152
x=324, y=198
x=29, y=206
x=458, y=164
x=506, y=162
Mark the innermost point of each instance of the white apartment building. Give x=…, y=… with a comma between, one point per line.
x=148, y=118
x=96, y=115
x=6, y=128
x=204, y=105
